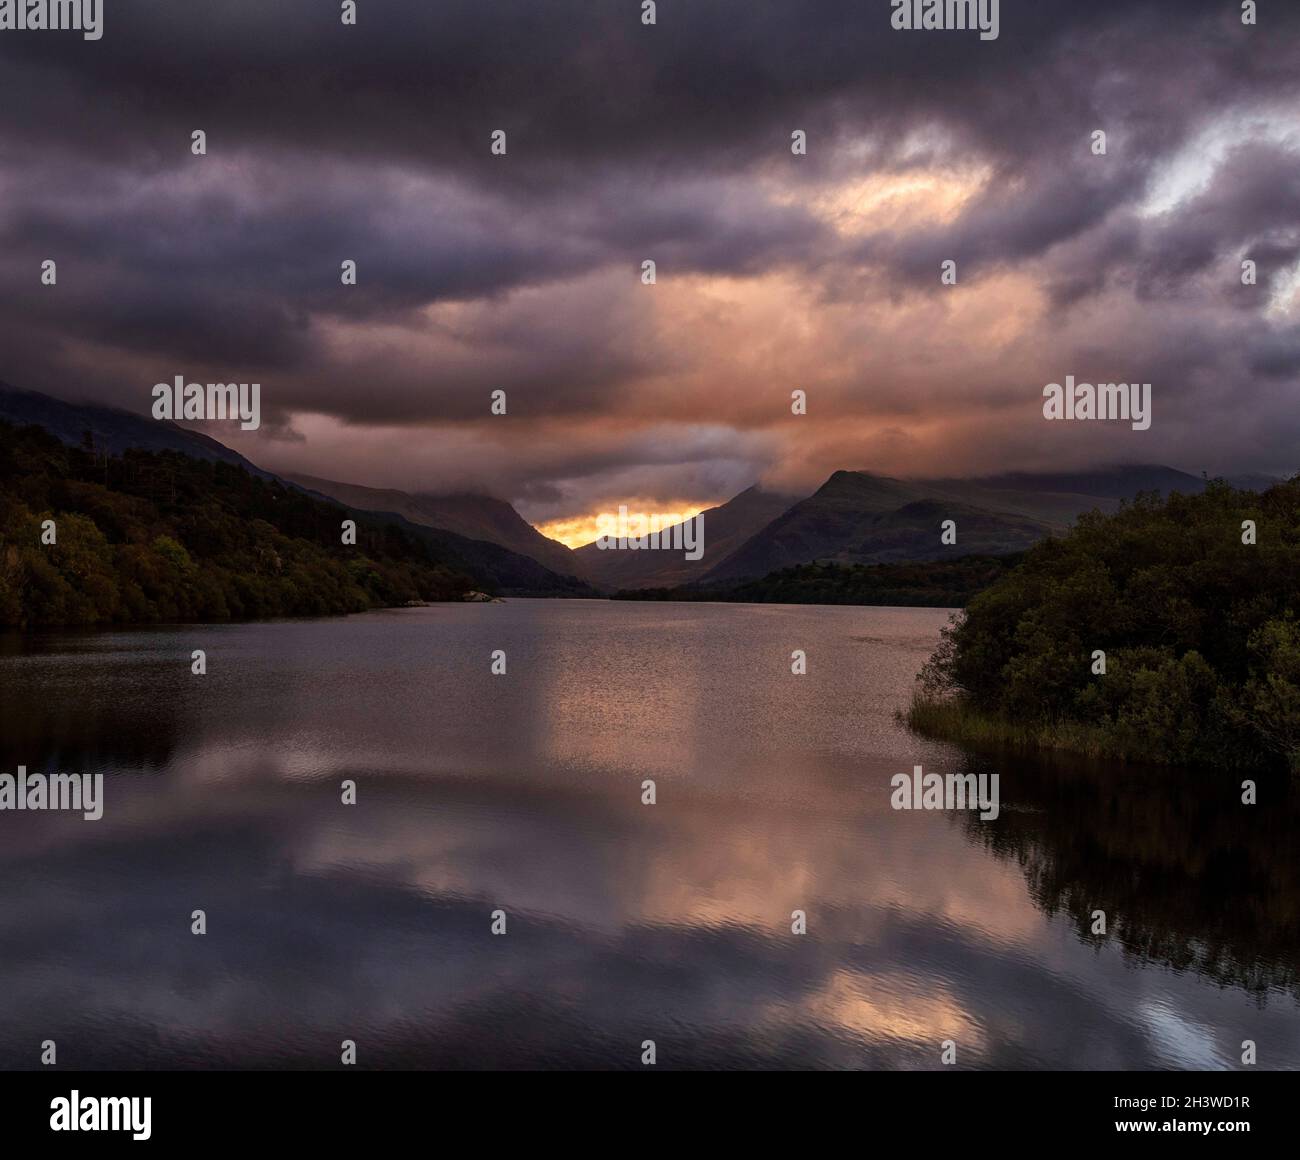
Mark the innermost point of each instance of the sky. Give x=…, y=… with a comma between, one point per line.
x=671, y=142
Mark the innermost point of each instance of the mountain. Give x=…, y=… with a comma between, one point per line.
x=496, y=568
x=859, y=518
x=854, y=517
x=473, y=551
x=726, y=527
x=1253, y=481
x=151, y=536
x=1058, y=498
x=112, y=430
x=475, y=517
x=1119, y=482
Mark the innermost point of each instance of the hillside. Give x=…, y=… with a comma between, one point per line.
x=112, y=430
x=160, y=536
x=1058, y=498
x=857, y=518
x=475, y=517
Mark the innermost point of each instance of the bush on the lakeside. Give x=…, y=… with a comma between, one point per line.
x=1201, y=634
x=163, y=537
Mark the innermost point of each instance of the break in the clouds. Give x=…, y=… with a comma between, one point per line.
x=670, y=142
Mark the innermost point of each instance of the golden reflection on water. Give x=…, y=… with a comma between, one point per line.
x=525, y=793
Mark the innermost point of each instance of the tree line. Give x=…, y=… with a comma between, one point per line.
x=1166, y=631
x=159, y=536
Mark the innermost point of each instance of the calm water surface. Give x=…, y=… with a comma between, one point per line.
x=626, y=922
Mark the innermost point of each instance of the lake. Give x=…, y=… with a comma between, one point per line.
x=523, y=793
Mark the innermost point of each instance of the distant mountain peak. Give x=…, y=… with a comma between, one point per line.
x=857, y=517
x=474, y=516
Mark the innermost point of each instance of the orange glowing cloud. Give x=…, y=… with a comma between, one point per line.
x=576, y=531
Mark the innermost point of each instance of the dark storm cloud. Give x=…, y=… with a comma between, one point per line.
x=428, y=81
x=625, y=142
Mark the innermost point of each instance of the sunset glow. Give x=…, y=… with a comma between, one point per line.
x=574, y=533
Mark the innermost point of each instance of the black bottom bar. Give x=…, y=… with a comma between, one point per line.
x=338, y=1109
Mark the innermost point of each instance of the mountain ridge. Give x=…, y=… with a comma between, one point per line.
x=115, y=431
x=853, y=517
x=857, y=517
x=468, y=514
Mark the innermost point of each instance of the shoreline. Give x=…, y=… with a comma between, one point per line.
x=953, y=720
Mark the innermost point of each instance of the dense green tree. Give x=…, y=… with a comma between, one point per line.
x=1197, y=624
x=162, y=537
